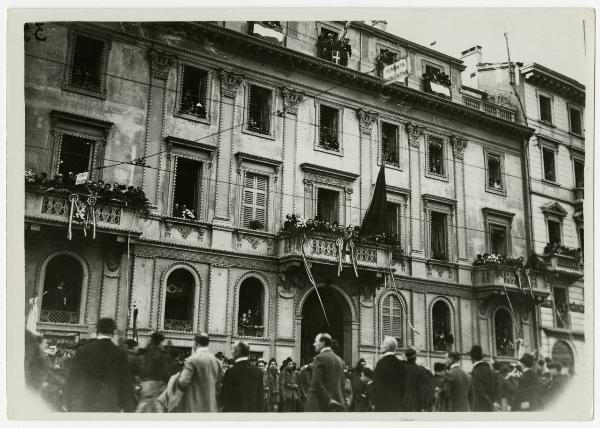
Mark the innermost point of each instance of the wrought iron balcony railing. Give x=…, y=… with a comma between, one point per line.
x=59, y=317
x=177, y=325
x=251, y=330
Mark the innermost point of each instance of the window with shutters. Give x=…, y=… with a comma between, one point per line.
x=188, y=189
x=193, y=92
x=436, y=166
x=255, y=201
x=87, y=66
x=392, y=319
x=390, y=147
x=260, y=102
x=329, y=118
x=328, y=205
x=438, y=236
x=179, y=301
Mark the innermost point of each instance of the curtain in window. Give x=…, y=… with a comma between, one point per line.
x=438, y=236
x=328, y=205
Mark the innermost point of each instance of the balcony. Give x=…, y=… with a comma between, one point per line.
x=578, y=195
x=178, y=325
x=53, y=209
x=499, y=279
x=563, y=264
x=251, y=330
x=59, y=317
x=490, y=108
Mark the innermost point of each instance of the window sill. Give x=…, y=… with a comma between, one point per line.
x=445, y=263
x=550, y=183
x=436, y=176
x=247, y=231
x=399, y=167
x=192, y=118
x=269, y=136
x=544, y=122
x=499, y=192
x=189, y=222
x=329, y=151
x=580, y=136
x=96, y=94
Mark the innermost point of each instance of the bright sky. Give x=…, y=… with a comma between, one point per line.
x=551, y=37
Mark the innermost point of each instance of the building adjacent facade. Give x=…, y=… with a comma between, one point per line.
x=229, y=127
x=552, y=104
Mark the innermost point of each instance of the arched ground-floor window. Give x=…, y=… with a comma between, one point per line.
x=504, y=332
x=179, y=301
x=61, y=297
x=250, y=309
x=441, y=327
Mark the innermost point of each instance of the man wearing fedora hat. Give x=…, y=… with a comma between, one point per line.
x=420, y=394
x=483, y=392
x=528, y=388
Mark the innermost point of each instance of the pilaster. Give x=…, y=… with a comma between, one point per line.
x=458, y=148
x=291, y=99
x=416, y=172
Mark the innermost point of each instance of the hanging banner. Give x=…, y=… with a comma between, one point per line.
x=396, y=72
x=81, y=178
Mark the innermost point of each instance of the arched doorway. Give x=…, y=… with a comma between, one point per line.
x=561, y=353
x=313, y=323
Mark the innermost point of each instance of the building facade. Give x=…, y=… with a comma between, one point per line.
x=229, y=127
x=552, y=104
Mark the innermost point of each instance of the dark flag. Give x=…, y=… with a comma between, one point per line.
x=375, y=221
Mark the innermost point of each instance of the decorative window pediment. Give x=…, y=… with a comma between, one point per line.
x=554, y=209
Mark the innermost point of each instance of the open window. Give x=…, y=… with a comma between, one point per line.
x=328, y=202
x=494, y=172
x=548, y=158
x=179, y=301
x=554, y=232
x=87, y=63
x=438, y=236
x=498, y=241
x=194, y=89
x=271, y=31
x=393, y=218
x=441, y=327
x=331, y=47
x=561, y=307
x=504, y=332
x=390, y=147
x=329, y=128
x=545, y=103
x=188, y=189
x=254, y=201
x=435, y=156
x=259, y=109
x=575, y=121
x=76, y=154
x=250, y=309
x=63, y=284
x=579, y=170
x=392, y=319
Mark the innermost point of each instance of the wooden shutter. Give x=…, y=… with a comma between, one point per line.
x=391, y=318
x=254, y=199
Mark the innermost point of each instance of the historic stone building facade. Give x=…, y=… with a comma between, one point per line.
x=228, y=128
x=553, y=104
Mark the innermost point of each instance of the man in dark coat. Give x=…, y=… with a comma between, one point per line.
x=528, y=387
x=99, y=379
x=456, y=385
x=483, y=391
x=325, y=393
x=419, y=394
x=555, y=387
x=242, y=389
x=388, y=379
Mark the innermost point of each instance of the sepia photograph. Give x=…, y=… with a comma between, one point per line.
x=381, y=217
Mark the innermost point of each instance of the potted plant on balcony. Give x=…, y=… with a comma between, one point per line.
x=256, y=225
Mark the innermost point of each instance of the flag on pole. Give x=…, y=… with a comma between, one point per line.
x=375, y=222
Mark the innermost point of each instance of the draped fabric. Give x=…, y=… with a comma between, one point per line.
x=438, y=236
x=375, y=220
x=328, y=205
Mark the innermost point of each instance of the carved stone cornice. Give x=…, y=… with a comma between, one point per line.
x=291, y=99
x=366, y=120
x=160, y=63
x=415, y=133
x=458, y=145
x=230, y=82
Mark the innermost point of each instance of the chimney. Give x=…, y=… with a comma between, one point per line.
x=471, y=57
x=380, y=25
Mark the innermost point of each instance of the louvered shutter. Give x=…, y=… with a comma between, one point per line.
x=254, y=199
x=391, y=319
x=386, y=317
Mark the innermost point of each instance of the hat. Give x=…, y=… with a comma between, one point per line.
x=476, y=353
x=410, y=353
x=527, y=360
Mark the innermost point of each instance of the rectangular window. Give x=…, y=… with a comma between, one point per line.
x=254, y=201
x=581, y=235
x=386, y=57
x=549, y=169
x=498, y=241
x=554, y=235
x=575, y=121
x=188, y=187
x=545, y=108
x=393, y=218
x=431, y=70
x=561, y=307
x=75, y=155
x=438, y=237
x=389, y=144
x=328, y=205
x=328, y=128
x=435, y=159
x=579, y=173
x=494, y=169
x=259, y=110
x=194, y=83
x=86, y=66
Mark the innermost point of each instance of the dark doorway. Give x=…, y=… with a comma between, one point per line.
x=313, y=323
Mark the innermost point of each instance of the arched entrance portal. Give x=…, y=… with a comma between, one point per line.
x=313, y=323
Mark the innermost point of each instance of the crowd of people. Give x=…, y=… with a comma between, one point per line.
x=99, y=376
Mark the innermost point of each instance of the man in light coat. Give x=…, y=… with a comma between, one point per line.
x=200, y=378
x=325, y=393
